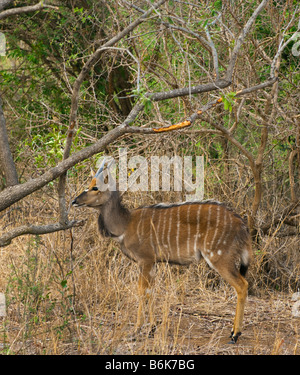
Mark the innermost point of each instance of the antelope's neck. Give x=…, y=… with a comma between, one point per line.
x=114, y=217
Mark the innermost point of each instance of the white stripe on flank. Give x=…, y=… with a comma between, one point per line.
x=224, y=228
x=228, y=230
x=197, y=231
x=207, y=229
x=169, y=231
x=157, y=230
x=208, y=260
x=216, y=228
x=163, y=230
x=152, y=230
x=189, y=230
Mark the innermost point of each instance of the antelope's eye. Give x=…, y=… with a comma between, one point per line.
x=95, y=188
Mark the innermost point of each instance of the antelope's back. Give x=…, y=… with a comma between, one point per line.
x=180, y=233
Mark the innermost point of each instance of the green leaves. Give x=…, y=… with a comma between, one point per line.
x=82, y=14
x=141, y=95
x=228, y=100
x=63, y=284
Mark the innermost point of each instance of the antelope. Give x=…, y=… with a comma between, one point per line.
x=179, y=233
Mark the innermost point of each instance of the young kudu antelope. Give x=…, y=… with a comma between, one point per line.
x=178, y=233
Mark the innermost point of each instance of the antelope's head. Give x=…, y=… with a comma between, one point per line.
x=99, y=191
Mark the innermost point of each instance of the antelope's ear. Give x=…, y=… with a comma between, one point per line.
x=92, y=173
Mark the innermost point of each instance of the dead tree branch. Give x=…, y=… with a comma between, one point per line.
x=37, y=229
x=26, y=9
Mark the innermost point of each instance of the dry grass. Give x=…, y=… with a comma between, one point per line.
x=81, y=299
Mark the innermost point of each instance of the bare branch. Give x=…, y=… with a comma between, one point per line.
x=220, y=84
x=282, y=45
x=37, y=229
x=241, y=39
x=214, y=53
x=27, y=9
x=260, y=86
x=210, y=105
x=203, y=41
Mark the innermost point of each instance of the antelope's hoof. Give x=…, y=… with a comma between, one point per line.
x=234, y=338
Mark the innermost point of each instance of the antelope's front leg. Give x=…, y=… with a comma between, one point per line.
x=144, y=286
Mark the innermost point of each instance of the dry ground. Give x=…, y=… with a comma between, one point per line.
x=203, y=329
x=193, y=317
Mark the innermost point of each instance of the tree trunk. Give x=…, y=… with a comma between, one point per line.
x=7, y=164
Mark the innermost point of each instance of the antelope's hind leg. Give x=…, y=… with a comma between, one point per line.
x=240, y=284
